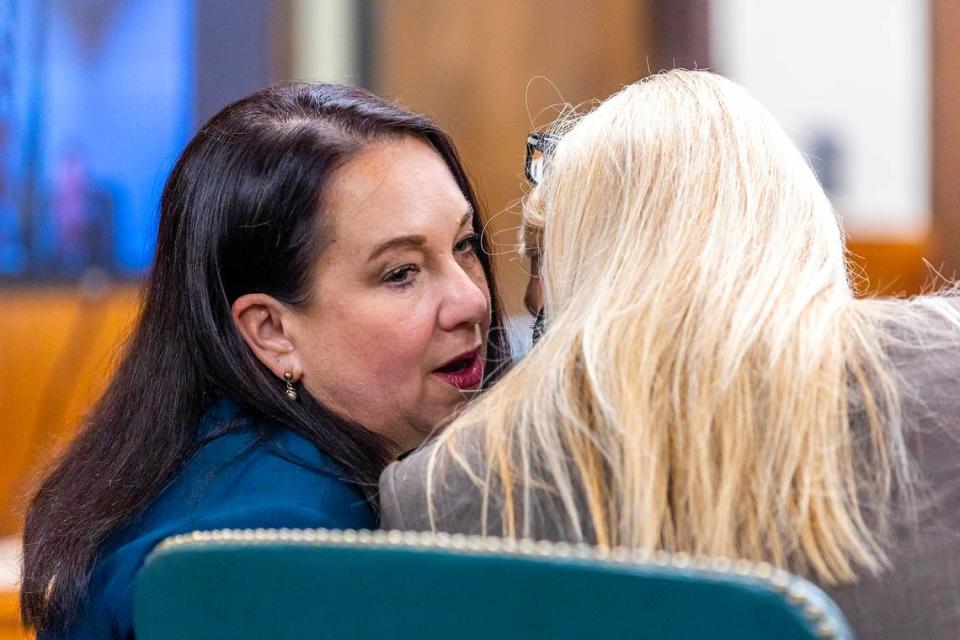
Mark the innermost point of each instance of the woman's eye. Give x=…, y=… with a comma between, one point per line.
x=469, y=243
x=402, y=276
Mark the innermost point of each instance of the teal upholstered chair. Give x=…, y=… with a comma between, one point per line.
x=346, y=584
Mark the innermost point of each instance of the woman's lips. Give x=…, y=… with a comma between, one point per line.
x=464, y=372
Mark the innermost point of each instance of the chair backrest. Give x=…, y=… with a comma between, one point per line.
x=282, y=584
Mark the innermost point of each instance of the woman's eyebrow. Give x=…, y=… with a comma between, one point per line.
x=467, y=216
x=415, y=241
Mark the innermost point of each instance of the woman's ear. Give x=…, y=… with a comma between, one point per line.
x=261, y=319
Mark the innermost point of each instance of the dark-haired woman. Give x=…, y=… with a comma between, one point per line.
x=319, y=302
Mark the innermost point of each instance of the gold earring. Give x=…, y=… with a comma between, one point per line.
x=291, y=392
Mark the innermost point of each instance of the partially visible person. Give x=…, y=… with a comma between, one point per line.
x=319, y=302
x=707, y=381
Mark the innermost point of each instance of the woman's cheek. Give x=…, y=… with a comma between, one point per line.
x=402, y=346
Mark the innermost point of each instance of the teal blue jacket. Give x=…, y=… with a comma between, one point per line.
x=235, y=480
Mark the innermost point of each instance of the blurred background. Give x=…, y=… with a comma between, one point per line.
x=97, y=98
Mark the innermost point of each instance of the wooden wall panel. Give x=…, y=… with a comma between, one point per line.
x=945, y=23
x=484, y=70
x=893, y=267
x=10, y=628
x=57, y=349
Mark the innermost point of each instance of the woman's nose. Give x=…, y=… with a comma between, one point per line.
x=466, y=299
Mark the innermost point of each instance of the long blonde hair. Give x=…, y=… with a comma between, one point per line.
x=707, y=382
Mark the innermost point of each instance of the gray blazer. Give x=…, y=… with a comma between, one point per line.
x=918, y=597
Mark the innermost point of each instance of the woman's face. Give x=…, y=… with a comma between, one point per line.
x=394, y=336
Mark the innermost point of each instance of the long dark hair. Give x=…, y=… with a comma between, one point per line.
x=238, y=215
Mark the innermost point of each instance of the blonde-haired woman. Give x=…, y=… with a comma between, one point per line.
x=707, y=381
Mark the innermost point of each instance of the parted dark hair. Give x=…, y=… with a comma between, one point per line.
x=241, y=212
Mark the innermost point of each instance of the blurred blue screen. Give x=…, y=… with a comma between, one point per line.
x=96, y=101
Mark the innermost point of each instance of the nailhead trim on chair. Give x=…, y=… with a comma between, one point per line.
x=779, y=580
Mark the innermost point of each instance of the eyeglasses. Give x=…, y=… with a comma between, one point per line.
x=540, y=147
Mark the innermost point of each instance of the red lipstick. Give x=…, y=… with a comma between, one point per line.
x=463, y=372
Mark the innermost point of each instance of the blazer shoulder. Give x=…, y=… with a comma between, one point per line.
x=403, y=493
x=435, y=489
